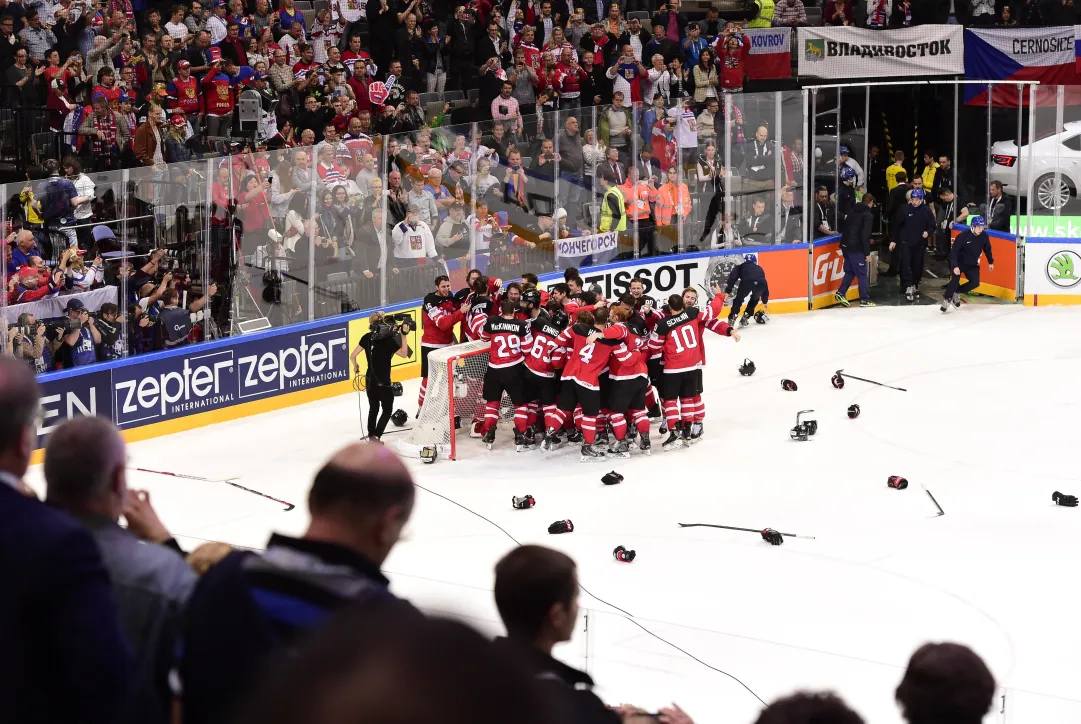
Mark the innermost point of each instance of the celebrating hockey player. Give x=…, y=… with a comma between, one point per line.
x=629, y=382
x=510, y=338
x=752, y=288
x=441, y=313
x=545, y=361
x=588, y=357
x=679, y=336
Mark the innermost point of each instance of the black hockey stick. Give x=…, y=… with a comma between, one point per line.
x=940, y=510
x=228, y=481
x=864, y=379
x=745, y=530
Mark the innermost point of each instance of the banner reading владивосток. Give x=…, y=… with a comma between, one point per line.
x=848, y=52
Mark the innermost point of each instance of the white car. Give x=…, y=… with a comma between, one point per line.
x=1057, y=154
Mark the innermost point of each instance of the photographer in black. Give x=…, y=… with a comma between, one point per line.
x=387, y=336
x=110, y=329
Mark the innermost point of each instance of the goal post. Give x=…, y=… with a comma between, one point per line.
x=455, y=386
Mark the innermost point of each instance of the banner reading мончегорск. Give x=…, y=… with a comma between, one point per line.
x=848, y=52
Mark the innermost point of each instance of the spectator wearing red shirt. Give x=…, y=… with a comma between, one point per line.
x=184, y=92
x=732, y=57
x=218, y=98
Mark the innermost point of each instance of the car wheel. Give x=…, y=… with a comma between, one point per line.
x=1048, y=196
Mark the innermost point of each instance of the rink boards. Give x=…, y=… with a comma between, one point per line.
x=176, y=390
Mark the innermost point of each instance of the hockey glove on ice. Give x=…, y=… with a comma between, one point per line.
x=623, y=555
x=1068, y=501
x=896, y=481
x=523, y=503
x=561, y=526
x=772, y=537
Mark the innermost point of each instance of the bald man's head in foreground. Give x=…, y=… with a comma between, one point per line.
x=361, y=498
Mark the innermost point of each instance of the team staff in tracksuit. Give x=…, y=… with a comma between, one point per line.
x=856, y=247
x=965, y=259
x=916, y=224
x=752, y=287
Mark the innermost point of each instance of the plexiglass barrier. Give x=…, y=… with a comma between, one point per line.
x=299, y=234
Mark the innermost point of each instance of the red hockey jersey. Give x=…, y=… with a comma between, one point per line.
x=218, y=93
x=511, y=339
x=479, y=311
x=587, y=361
x=679, y=336
x=437, y=323
x=634, y=334
x=546, y=358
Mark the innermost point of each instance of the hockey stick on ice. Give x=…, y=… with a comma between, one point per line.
x=864, y=379
x=745, y=530
x=940, y=510
x=227, y=481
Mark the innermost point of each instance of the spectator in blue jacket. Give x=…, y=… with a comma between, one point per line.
x=63, y=657
x=965, y=259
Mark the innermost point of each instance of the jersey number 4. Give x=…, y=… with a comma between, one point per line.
x=586, y=353
x=690, y=338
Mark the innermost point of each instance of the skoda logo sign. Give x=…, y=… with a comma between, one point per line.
x=1063, y=267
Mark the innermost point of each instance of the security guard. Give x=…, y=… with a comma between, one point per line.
x=613, y=207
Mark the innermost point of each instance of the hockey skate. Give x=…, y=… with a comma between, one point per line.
x=632, y=435
x=602, y=438
x=574, y=436
x=731, y=320
x=840, y=299
x=663, y=429
x=644, y=444
x=590, y=452
x=552, y=440
x=947, y=305
x=489, y=438
x=654, y=413
x=621, y=448
x=696, y=432
x=910, y=293
x=685, y=431
x=673, y=442
x=523, y=442
x=957, y=299
x=475, y=429
x=745, y=320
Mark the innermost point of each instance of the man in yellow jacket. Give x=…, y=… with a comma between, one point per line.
x=764, y=19
x=891, y=170
x=930, y=167
x=613, y=207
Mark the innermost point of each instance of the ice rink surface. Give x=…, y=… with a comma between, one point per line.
x=987, y=425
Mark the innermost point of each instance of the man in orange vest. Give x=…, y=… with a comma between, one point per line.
x=673, y=201
x=639, y=195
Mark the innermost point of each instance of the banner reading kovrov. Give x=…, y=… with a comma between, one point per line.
x=848, y=52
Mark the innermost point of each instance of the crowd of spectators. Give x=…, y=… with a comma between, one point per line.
x=102, y=623
x=295, y=162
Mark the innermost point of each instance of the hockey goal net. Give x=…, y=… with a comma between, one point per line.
x=452, y=401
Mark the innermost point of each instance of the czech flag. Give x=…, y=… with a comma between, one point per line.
x=1044, y=54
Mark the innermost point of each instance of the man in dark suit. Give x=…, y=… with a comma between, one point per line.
x=460, y=33
x=999, y=208
x=63, y=657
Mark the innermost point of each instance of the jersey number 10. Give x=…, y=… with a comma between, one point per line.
x=690, y=339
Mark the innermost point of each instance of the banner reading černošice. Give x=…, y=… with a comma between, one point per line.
x=848, y=52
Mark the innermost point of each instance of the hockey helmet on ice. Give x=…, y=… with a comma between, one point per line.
x=399, y=418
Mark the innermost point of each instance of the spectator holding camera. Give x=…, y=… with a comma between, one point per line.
x=382, y=342
x=27, y=342
x=81, y=338
x=110, y=329
x=177, y=321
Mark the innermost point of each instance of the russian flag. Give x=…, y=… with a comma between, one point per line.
x=1048, y=55
x=770, y=55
